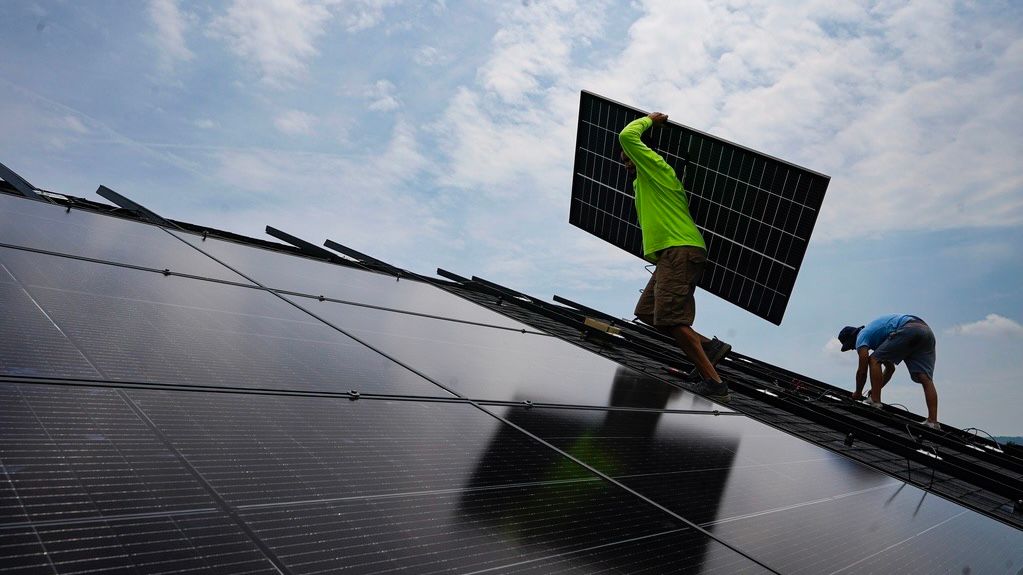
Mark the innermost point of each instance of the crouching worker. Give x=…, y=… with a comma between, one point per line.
x=893, y=338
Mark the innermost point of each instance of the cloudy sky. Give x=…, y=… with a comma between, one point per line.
x=441, y=134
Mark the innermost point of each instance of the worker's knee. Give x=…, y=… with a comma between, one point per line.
x=920, y=378
x=685, y=331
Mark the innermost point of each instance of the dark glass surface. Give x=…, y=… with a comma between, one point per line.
x=143, y=326
x=39, y=225
x=658, y=555
x=551, y=528
x=30, y=344
x=760, y=489
x=256, y=449
x=202, y=543
x=75, y=452
x=298, y=274
x=493, y=364
x=960, y=545
x=876, y=531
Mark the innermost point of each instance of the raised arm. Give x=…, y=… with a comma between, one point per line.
x=647, y=161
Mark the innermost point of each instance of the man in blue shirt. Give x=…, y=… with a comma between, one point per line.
x=894, y=338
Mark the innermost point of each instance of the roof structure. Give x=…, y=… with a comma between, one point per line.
x=175, y=398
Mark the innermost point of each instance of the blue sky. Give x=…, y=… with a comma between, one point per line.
x=441, y=133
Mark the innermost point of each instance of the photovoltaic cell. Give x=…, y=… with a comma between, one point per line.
x=30, y=343
x=556, y=528
x=759, y=489
x=259, y=450
x=209, y=543
x=75, y=452
x=756, y=213
x=501, y=365
x=323, y=483
x=314, y=278
x=77, y=232
x=141, y=326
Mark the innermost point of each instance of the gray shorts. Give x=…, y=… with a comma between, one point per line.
x=912, y=343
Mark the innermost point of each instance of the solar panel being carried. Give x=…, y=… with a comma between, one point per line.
x=756, y=213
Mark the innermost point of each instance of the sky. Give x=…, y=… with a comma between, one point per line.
x=440, y=133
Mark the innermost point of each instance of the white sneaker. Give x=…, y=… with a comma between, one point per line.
x=872, y=403
x=933, y=425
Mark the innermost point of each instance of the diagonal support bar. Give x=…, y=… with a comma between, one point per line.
x=307, y=248
x=21, y=184
x=366, y=260
x=146, y=214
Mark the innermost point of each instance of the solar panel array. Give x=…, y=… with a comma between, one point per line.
x=756, y=213
x=262, y=412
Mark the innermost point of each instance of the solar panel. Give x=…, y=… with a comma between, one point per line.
x=315, y=278
x=484, y=363
x=77, y=232
x=756, y=212
x=760, y=489
x=104, y=467
x=141, y=326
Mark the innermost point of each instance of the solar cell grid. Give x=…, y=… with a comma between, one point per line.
x=188, y=544
x=499, y=530
x=259, y=450
x=30, y=344
x=297, y=274
x=140, y=326
x=501, y=365
x=78, y=232
x=81, y=452
x=665, y=554
x=759, y=490
x=756, y=213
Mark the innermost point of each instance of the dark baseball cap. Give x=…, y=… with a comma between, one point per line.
x=848, y=337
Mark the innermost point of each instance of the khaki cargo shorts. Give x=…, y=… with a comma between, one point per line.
x=667, y=299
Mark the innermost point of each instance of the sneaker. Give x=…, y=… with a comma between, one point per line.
x=712, y=390
x=933, y=425
x=872, y=403
x=716, y=350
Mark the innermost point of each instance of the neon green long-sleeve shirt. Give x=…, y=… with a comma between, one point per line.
x=661, y=203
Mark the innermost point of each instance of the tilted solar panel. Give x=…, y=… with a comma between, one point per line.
x=756, y=213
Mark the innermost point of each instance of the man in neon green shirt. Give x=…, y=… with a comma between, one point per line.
x=672, y=241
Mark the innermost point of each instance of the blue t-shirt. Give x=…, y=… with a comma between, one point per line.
x=874, y=333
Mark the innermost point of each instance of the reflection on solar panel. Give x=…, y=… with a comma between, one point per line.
x=210, y=422
x=756, y=212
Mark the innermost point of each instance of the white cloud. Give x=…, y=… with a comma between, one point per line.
x=277, y=37
x=428, y=56
x=295, y=123
x=360, y=15
x=205, y=124
x=534, y=49
x=75, y=125
x=381, y=96
x=169, y=25
x=993, y=325
x=368, y=200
